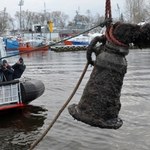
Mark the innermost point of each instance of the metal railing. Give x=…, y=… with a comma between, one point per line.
x=10, y=93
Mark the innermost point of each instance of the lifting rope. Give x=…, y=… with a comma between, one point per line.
x=108, y=10
x=109, y=28
x=34, y=144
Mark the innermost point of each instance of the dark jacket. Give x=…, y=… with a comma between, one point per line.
x=8, y=73
x=18, y=70
x=1, y=74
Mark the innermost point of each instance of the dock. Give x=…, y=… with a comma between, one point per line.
x=68, y=48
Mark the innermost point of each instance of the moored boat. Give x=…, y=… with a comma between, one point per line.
x=11, y=43
x=33, y=45
x=82, y=40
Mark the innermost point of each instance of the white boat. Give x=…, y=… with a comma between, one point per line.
x=82, y=40
x=2, y=48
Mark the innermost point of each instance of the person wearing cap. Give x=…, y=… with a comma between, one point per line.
x=19, y=67
x=7, y=71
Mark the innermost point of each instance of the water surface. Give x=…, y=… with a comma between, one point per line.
x=60, y=73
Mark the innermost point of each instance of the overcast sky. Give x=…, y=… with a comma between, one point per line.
x=69, y=7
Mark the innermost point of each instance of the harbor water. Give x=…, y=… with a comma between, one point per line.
x=60, y=72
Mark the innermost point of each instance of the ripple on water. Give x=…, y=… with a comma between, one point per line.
x=60, y=73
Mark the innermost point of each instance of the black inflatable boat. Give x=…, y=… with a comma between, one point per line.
x=18, y=93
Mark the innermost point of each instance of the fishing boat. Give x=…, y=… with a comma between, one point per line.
x=31, y=45
x=20, y=44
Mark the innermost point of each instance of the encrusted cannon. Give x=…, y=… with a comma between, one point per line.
x=100, y=104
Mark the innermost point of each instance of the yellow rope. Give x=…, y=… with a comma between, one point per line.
x=60, y=111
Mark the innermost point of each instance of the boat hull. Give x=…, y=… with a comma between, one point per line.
x=80, y=43
x=44, y=48
x=31, y=89
x=18, y=93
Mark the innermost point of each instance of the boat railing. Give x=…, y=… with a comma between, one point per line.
x=10, y=92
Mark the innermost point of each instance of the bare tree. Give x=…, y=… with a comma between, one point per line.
x=59, y=18
x=136, y=10
x=90, y=18
x=5, y=20
x=147, y=10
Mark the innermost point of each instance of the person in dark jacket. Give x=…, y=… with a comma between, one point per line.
x=7, y=71
x=19, y=68
x=1, y=73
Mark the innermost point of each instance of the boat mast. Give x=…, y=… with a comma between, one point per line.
x=21, y=4
x=45, y=22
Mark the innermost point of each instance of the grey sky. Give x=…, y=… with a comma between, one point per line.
x=67, y=6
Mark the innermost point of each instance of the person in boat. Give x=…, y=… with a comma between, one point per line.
x=1, y=73
x=19, y=67
x=7, y=71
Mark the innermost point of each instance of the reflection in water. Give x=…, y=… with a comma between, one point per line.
x=18, y=128
x=35, y=54
x=28, y=54
x=15, y=52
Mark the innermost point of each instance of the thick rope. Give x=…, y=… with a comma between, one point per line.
x=61, y=110
x=108, y=10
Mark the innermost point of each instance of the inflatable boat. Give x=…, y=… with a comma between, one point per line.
x=19, y=93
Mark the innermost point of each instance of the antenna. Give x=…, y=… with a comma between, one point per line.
x=21, y=2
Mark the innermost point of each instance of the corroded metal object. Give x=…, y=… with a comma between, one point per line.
x=100, y=104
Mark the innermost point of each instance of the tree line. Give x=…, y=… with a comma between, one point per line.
x=135, y=11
